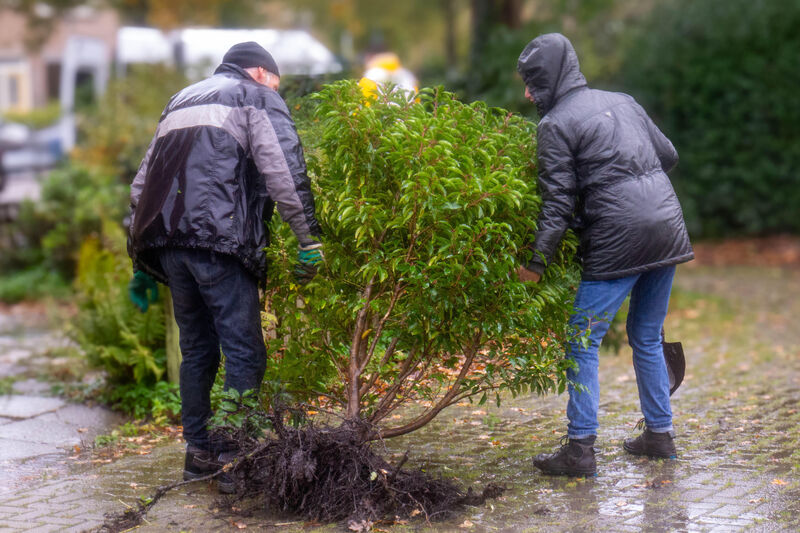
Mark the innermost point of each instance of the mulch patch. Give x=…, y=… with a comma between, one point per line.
x=774, y=251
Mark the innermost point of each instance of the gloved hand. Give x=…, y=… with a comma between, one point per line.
x=309, y=258
x=142, y=290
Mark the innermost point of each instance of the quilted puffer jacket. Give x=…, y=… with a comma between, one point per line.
x=225, y=152
x=602, y=171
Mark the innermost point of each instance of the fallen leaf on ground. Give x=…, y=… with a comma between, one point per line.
x=364, y=525
x=466, y=524
x=779, y=482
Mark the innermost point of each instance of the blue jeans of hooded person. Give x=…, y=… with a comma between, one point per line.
x=596, y=303
x=216, y=305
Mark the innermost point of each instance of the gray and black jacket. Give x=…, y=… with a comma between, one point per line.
x=226, y=151
x=602, y=171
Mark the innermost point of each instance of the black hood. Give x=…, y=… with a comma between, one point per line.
x=549, y=67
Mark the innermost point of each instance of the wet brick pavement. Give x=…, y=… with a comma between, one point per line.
x=737, y=419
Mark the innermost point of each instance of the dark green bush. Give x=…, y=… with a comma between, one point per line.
x=115, y=134
x=158, y=401
x=48, y=234
x=114, y=335
x=33, y=283
x=720, y=77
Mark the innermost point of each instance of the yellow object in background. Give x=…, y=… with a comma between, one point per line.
x=386, y=68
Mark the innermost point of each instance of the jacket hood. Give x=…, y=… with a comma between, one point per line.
x=549, y=67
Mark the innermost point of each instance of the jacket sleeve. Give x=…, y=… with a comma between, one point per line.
x=664, y=150
x=138, y=182
x=136, y=193
x=278, y=155
x=557, y=185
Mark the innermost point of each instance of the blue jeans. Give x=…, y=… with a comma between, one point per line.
x=596, y=303
x=216, y=304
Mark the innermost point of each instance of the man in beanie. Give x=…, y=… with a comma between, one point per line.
x=602, y=172
x=225, y=153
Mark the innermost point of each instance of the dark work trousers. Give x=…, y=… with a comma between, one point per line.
x=216, y=305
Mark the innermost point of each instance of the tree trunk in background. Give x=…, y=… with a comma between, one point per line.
x=510, y=11
x=450, y=34
x=486, y=14
x=173, y=346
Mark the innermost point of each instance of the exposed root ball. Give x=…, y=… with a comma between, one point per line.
x=326, y=475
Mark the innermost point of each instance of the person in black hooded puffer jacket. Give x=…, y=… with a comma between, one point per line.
x=602, y=172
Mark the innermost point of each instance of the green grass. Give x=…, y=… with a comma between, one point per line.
x=33, y=284
x=7, y=385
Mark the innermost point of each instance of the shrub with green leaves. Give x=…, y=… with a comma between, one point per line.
x=48, y=234
x=721, y=78
x=127, y=344
x=115, y=134
x=159, y=401
x=425, y=207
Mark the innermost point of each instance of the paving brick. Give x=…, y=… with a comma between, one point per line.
x=34, y=513
x=43, y=430
x=23, y=501
x=83, y=527
x=14, y=525
x=724, y=522
x=46, y=528
x=701, y=509
x=15, y=449
x=729, y=511
x=19, y=406
x=60, y=521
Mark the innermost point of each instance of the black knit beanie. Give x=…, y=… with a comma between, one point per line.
x=251, y=54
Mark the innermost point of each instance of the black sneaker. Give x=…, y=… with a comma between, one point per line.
x=660, y=445
x=200, y=463
x=574, y=458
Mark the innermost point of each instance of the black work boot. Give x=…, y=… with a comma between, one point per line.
x=575, y=458
x=200, y=463
x=652, y=445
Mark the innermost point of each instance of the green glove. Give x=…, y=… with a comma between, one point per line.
x=142, y=290
x=309, y=257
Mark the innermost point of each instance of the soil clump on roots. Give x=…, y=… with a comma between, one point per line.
x=325, y=474
x=329, y=475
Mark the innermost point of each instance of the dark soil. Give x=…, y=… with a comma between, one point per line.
x=327, y=475
x=775, y=251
